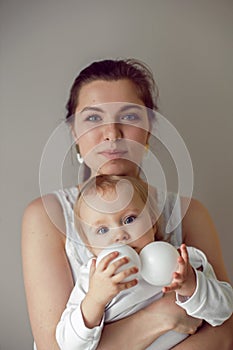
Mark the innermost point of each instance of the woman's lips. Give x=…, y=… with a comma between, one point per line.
x=110, y=154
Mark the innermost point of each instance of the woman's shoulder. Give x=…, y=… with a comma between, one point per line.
x=43, y=214
x=192, y=207
x=196, y=217
x=41, y=205
x=51, y=202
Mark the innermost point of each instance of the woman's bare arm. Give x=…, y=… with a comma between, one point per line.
x=145, y=326
x=200, y=232
x=210, y=338
x=47, y=275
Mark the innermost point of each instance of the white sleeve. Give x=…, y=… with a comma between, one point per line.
x=212, y=300
x=71, y=331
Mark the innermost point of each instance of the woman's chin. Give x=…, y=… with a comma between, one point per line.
x=119, y=167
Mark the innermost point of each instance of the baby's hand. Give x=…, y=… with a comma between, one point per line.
x=105, y=282
x=184, y=280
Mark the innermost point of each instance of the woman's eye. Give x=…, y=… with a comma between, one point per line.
x=102, y=230
x=93, y=118
x=129, y=219
x=130, y=117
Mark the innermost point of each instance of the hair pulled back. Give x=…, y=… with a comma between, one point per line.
x=113, y=70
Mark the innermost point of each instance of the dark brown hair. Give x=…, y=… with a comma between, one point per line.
x=110, y=70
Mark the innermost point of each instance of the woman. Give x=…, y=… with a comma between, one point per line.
x=106, y=143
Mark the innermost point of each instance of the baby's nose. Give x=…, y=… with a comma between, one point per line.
x=121, y=236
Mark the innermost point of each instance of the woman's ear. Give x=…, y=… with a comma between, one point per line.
x=73, y=133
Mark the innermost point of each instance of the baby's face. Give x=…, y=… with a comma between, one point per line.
x=117, y=220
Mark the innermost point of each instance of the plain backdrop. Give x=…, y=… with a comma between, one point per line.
x=43, y=44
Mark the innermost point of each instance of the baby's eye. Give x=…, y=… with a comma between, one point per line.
x=130, y=117
x=102, y=230
x=93, y=118
x=129, y=219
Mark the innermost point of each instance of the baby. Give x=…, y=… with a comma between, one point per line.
x=121, y=209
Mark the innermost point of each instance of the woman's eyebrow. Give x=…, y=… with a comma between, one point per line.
x=131, y=106
x=90, y=108
x=122, y=109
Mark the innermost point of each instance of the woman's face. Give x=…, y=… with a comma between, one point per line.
x=111, y=127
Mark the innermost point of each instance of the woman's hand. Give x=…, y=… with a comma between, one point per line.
x=141, y=329
x=104, y=284
x=171, y=316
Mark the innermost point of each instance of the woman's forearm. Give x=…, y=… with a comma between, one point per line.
x=144, y=327
x=210, y=338
x=134, y=332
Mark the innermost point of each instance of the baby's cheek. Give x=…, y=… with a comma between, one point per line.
x=138, y=230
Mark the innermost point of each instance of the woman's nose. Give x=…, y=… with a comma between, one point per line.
x=112, y=132
x=121, y=236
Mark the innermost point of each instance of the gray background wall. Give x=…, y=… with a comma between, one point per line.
x=43, y=44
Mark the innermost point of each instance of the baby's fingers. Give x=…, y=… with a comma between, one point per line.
x=172, y=287
x=92, y=267
x=184, y=253
x=183, y=262
x=104, y=263
x=127, y=285
x=122, y=275
x=182, y=269
x=176, y=283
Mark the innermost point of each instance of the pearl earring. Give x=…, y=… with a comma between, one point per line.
x=78, y=155
x=79, y=158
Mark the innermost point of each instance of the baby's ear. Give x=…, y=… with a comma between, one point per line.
x=153, y=222
x=158, y=230
x=155, y=230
